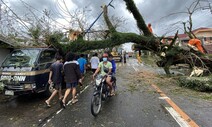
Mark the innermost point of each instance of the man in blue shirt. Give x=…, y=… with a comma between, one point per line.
x=82, y=64
x=113, y=64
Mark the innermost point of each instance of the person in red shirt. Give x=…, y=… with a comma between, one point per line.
x=196, y=43
x=150, y=27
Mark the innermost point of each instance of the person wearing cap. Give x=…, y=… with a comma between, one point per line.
x=105, y=68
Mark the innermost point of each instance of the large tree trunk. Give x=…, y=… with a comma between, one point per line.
x=146, y=41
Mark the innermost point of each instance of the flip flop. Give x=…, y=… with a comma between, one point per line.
x=112, y=94
x=74, y=101
x=62, y=105
x=47, y=104
x=80, y=84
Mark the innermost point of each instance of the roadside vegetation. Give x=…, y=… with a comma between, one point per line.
x=198, y=87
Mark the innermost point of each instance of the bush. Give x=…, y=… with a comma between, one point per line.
x=203, y=84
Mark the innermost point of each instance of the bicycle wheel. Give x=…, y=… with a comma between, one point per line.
x=96, y=103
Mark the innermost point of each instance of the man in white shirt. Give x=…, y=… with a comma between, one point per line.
x=94, y=62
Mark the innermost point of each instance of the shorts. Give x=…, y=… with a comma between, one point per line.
x=57, y=86
x=71, y=85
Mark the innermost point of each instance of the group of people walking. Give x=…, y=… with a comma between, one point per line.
x=72, y=72
x=72, y=76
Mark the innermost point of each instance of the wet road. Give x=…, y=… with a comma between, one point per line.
x=136, y=104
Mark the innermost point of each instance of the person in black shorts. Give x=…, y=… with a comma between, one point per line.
x=55, y=79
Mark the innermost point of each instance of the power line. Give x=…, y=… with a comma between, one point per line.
x=97, y=18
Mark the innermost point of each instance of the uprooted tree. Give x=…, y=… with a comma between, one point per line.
x=147, y=41
x=172, y=54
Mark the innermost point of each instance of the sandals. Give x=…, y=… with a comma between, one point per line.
x=74, y=101
x=112, y=94
x=80, y=83
x=47, y=104
x=62, y=105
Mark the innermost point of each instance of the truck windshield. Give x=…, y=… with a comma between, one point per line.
x=21, y=58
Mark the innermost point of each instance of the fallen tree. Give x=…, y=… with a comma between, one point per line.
x=147, y=41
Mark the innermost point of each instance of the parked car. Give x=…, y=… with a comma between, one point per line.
x=26, y=71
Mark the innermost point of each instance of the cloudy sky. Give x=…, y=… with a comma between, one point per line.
x=157, y=12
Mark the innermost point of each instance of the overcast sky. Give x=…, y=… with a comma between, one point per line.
x=155, y=12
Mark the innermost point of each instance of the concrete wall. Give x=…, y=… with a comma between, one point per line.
x=3, y=54
x=206, y=34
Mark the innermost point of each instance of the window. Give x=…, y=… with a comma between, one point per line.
x=21, y=58
x=47, y=56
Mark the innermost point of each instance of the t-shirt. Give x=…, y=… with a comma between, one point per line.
x=82, y=62
x=105, y=67
x=56, y=69
x=71, y=71
x=94, y=62
x=113, y=66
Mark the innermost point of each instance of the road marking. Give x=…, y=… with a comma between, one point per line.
x=136, y=69
x=182, y=114
x=177, y=117
x=163, y=98
x=59, y=111
x=84, y=89
x=69, y=102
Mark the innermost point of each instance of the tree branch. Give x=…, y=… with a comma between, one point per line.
x=137, y=16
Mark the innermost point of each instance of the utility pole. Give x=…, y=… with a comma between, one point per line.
x=97, y=18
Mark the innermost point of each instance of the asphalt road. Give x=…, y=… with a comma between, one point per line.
x=137, y=104
x=134, y=105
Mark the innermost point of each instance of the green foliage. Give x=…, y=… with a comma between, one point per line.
x=1, y=87
x=203, y=84
x=35, y=33
x=55, y=37
x=175, y=50
x=138, y=17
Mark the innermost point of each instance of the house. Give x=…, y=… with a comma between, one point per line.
x=204, y=34
x=5, y=48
